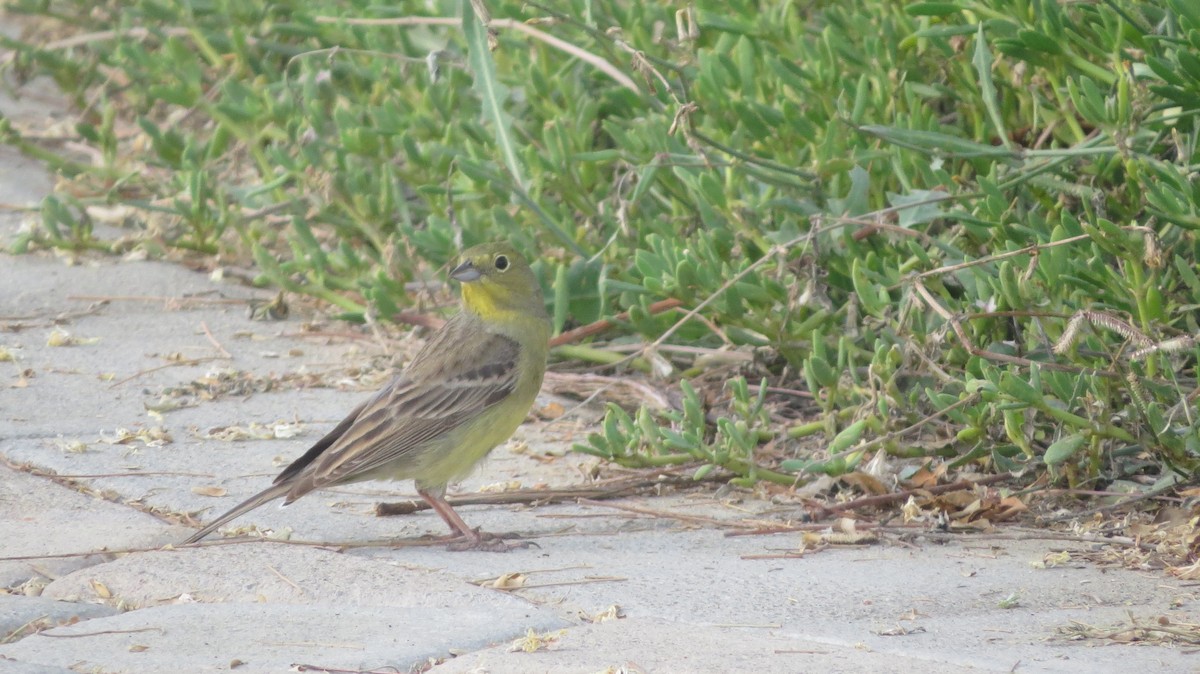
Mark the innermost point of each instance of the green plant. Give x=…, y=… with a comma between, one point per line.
x=903, y=227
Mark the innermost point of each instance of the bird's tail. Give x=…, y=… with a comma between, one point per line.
x=269, y=494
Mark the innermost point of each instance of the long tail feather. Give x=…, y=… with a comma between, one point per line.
x=269, y=494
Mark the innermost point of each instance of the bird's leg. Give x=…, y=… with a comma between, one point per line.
x=442, y=507
x=466, y=538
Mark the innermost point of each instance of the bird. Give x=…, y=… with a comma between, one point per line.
x=464, y=393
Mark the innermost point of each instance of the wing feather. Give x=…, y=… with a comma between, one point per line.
x=474, y=370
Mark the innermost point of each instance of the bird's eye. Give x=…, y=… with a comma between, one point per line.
x=501, y=262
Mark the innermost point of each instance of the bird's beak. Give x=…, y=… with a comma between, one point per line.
x=465, y=273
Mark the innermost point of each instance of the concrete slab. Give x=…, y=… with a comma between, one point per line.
x=649, y=645
x=20, y=614
x=276, y=637
x=42, y=520
x=276, y=573
x=14, y=667
x=932, y=603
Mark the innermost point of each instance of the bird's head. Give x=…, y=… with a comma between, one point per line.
x=496, y=279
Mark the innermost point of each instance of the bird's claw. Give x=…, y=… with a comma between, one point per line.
x=478, y=540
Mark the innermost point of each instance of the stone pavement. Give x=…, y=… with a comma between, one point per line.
x=604, y=589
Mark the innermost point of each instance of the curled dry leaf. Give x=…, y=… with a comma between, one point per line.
x=611, y=613
x=101, y=589
x=991, y=508
x=1188, y=572
x=71, y=446
x=151, y=437
x=164, y=405
x=868, y=484
x=60, y=337
x=1052, y=559
x=507, y=581
x=285, y=430
x=925, y=477
x=820, y=539
x=500, y=487
x=280, y=430
x=900, y=631
x=533, y=642
x=238, y=433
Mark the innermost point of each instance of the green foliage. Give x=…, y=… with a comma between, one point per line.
x=641, y=441
x=975, y=223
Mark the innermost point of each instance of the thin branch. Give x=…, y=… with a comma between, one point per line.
x=615, y=489
x=169, y=301
x=597, y=327
x=583, y=55
x=999, y=256
x=180, y=363
x=213, y=340
x=969, y=345
x=1136, y=498
x=692, y=519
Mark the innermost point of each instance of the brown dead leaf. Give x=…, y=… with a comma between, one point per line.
x=150, y=437
x=1173, y=515
x=911, y=511
x=1008, y=508
x=611, y=613
x=966, y=513
x=868, y=484
x=956, y=502
x=533, y=642
x=210, y=491
x=507, y=581
x=101, y=589
x=500, y=487
x=925, y=478
x=1189, y=572
x=990, y=507
x=900, y=631
x=550, y=411
x=60, y=337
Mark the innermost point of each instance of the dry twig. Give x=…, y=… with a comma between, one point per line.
x=614, y=489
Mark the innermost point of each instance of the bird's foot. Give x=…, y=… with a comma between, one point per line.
x=474, y=539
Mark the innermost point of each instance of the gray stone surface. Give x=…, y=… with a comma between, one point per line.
x=272, y=573
x=368, y=592
x=277, y=637
x=16, y=667
x=648, y=645
x=18, y=613
x=41, y=520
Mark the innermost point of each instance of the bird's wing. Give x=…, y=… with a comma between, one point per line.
x=471, y=373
